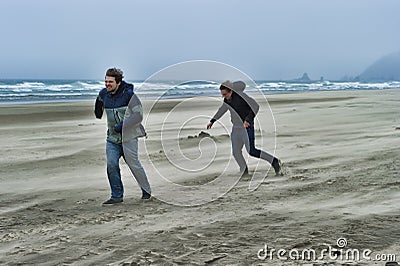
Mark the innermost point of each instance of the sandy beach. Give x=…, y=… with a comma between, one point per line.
x=342, y=167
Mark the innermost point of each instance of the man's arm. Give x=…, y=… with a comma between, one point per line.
x=136, y=112
x=98, y=107
x=254, y=107
x=221, y=111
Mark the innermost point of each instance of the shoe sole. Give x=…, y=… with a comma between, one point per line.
x=105, y=204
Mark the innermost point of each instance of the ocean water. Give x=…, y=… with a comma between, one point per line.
x=33, y=91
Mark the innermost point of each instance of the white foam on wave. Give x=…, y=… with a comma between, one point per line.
x=22, y=90
x=70, y=90
x=24, y=85
x=89, y=86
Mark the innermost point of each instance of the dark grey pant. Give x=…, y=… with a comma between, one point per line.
x=245, y=136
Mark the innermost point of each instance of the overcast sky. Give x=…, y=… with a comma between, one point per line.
x=267, y=39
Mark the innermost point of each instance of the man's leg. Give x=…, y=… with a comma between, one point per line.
x=113, y=154
x=252, y=150
x=237, y=141
x=131, y=157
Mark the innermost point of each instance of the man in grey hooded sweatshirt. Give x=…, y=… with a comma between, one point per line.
x=243, y=109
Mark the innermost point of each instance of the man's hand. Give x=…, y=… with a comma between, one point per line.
x=209, y=125
x=118, y=128
x=246, y=124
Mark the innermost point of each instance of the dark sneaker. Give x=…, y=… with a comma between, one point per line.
x=113, y=201
x=245, y=172
x=277, y=165
x=391, y=263
x=145, y=195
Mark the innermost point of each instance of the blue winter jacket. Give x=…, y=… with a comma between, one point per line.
x=124, y=113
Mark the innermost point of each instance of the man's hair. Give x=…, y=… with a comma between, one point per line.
x=116, y=73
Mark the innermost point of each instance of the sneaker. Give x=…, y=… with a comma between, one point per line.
x=113, y=201
x=245, y=172
x=145, y=195
x=277, y=165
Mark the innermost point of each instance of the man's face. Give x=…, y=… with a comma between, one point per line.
x=111, y=84
x=226, y=94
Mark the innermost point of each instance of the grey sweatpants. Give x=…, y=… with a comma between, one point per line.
x=131, y=157
x=245, y=136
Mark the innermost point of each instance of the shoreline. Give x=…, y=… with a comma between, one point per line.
x=151, y=98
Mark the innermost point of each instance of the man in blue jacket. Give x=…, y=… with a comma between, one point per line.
x=124, y=116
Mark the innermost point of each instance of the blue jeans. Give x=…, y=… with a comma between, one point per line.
x=245, y=136
x=129, y=151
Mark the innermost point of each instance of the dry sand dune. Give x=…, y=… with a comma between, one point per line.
x=342, y=169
